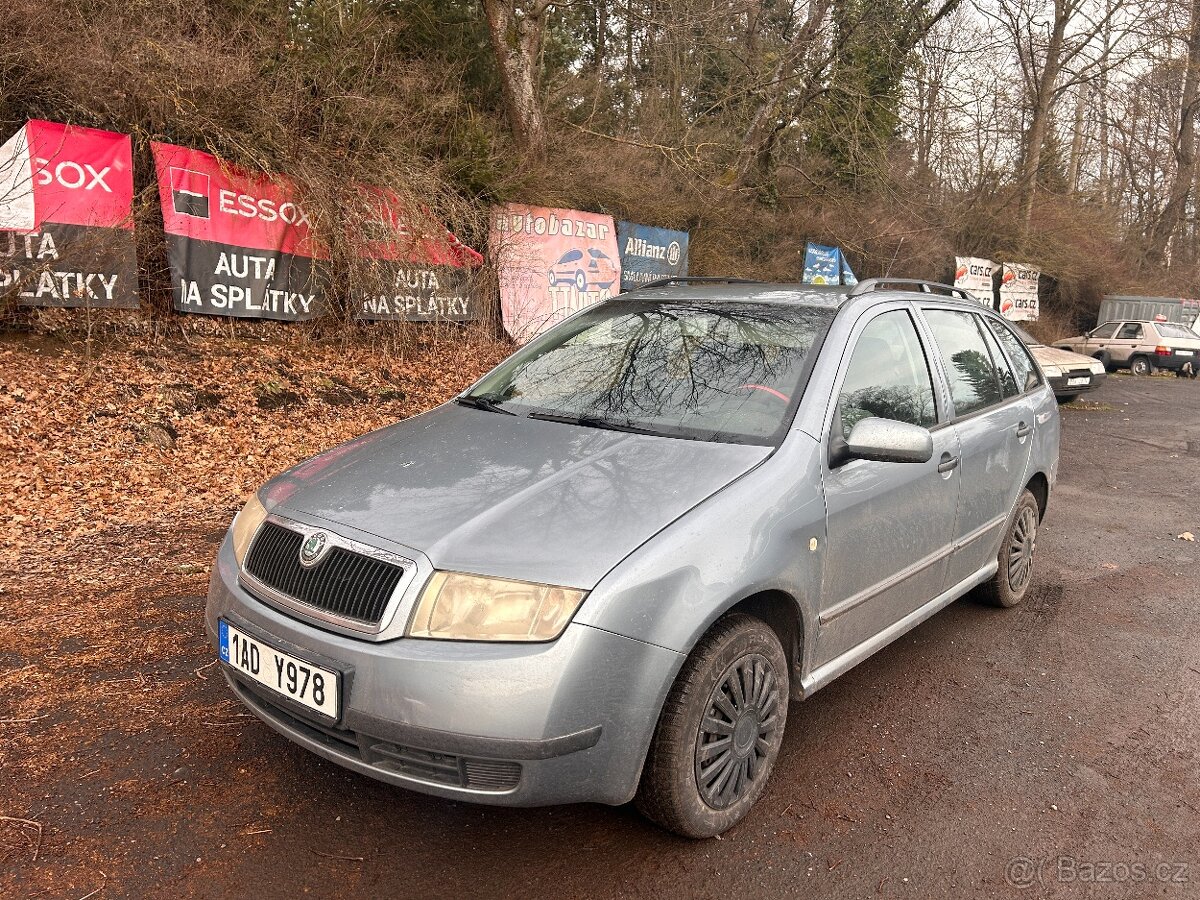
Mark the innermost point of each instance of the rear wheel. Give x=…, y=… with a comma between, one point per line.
x=1015, y=571
x=720, y=730
x=1139, y=365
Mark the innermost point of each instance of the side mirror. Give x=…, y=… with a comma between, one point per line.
x=886, y=440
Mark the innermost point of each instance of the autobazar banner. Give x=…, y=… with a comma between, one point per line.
x=974, y=275
x=1019, y=292
x=66, y=224
x=410, y=276
x=649, y=253
x=826, y=265
x=238, y=244
x=551, y=263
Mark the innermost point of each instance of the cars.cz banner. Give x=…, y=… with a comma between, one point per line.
x=66, y=223
x=826, y=265
x=974, y=275
x=412, y=277
x=1019, y=292
x=551, y=263
x=649, y=253
x=238, y=244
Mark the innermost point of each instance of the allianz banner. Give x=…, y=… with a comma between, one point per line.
x=649, y=253
x=238, y=244
x=974, y=275
x=551, y=263
x=408, y=276
x=66, y=223
x=1019, y=292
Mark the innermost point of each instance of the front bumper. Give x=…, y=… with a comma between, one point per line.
x=509, y=724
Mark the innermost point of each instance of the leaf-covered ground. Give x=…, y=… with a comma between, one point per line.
x=119, y=471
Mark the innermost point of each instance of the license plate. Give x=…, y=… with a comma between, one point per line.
x=284, y=674
x=1078, y=382
x=1183, y=352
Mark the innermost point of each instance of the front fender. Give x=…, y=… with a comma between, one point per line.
x=765, y=532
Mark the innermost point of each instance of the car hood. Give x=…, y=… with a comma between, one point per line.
x=1053, y=356
x=492, y=494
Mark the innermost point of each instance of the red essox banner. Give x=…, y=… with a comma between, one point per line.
x=411, y=276
x=66, y=223
x=238, y=244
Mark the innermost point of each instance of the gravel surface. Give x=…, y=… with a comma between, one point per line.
x=1054, y=743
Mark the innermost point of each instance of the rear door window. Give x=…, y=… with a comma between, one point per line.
x=1130, y=331
x=1025, y=370
x=1008, y=381
x=974, y=381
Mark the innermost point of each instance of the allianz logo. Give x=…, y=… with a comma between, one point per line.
x=670, y=253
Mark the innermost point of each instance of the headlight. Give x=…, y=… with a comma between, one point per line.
x=1097, y=367
x=245, y=524
x=456, y=607
x=1052, y=371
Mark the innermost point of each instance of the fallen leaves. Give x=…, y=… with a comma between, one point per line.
x=1187, y=536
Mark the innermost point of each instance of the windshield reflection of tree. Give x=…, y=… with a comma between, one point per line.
x=675, y=365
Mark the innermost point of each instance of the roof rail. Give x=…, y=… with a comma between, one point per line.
x=687, y=279
x=926, y=287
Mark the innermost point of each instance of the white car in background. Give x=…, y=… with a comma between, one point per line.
x=1069, y=374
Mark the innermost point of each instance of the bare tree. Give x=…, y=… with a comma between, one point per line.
x=517, y=29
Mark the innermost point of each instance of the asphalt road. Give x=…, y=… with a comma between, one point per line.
x=1053, y=744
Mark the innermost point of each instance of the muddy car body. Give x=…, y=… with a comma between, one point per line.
x=1140, y=347
x=523, y=597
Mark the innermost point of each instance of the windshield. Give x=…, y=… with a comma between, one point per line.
x=713, y=371
x=1174, y=331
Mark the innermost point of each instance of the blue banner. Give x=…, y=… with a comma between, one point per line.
x=650, y=253
x=826, y=265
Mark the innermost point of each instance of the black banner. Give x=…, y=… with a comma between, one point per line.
x=414, y=292
x=234, y=281
x=70, y=266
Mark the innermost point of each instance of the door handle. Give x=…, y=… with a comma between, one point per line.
x=947, y=463
x=1024, y=430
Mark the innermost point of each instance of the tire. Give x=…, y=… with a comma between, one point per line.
x=1010, y=584
x=1066, y=398
x=1104, y=358
x=1139, y=365
x=738, y=650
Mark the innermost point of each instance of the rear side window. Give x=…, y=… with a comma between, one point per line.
x=974, y=383
x=1130, y=331
x=1167, y=330
x=1008, y=382
x=1024, y=369
x=888, y=375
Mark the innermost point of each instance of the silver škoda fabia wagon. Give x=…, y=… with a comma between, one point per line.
x=602, y=573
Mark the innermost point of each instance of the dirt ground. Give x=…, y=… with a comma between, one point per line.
x=1051, y=746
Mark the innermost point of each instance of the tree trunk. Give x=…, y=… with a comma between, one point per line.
x=516, y=31
x=1039, y=121
x=1074, y=165
x=1184, y=150
x=760, y=136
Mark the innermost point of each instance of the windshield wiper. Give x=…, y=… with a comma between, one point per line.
x=479, y=401
x=595, y=422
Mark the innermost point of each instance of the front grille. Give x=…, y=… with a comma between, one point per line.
x=344, y=583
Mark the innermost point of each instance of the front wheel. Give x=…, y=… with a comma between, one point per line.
x=720, y=730
x=1066, y=398
x=1010, y=584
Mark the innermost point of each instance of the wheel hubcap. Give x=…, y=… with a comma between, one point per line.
x=738, y=731
x=1020, y=549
